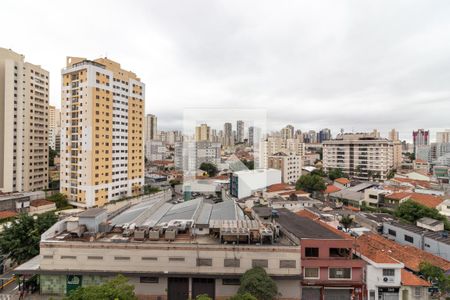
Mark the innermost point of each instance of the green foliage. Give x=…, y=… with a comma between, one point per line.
x=245, y=296
x=411, y=211
x=20, y=240
x=335, y=174
x=346, y=221
x=203, y=297
x=59, y=199
x=319, y=172
x=209, y=168
x=310, y=183
x=51, y=156
x=391, y=174
x=436, y=275
x=115, y=289
x=174, y=182
x=257, y=283
x=150, y=190
x=250, y=164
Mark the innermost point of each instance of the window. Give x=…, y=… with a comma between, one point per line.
x=417, y=291
x=339, y=252
x=388, y=272
x=205, y=262
x=263, y=263
x=68, y=257
x=311, y=252
x=231, y=281
x=176, y=258
x=231, y=263
x=149, y=258
x=148, y=279
x=121, y=258
x=392, y=232
x=340, y=273
x=95, y=257
x=311, y=273
x=409, y=238
x=372, y=295
x=284, y=264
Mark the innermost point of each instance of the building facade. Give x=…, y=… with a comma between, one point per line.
x=421, y=137
x=290, y=166
x=54, y=127
x=361, y=156
x=150, y=128
x=102, y=150
x=24, y=94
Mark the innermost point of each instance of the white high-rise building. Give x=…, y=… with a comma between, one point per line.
x=361, y=156
x=443, y=136
x=24, y=94
x=102, y=138
x=290, y=166
x=54, y=127
x=393, y=135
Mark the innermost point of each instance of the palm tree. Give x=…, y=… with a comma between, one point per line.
x=346, y=221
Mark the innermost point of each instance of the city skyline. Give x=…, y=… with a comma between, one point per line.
x=231, y=58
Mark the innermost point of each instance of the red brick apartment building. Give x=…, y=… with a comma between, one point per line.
x=329, y=269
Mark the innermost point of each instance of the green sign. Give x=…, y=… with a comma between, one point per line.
x=73, y=282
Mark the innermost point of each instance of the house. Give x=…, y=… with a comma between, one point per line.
x=444, y=208
x=395, y=199
x=245, y=183
x=342, y=183
x=41, y=206
x=414, y=287
x=329, y=269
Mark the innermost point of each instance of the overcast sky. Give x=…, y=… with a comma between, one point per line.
x=355, y=65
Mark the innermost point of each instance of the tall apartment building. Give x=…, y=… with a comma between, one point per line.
x=361, y=156
x=24, y=90
x=287, y=132
x=421, y=137
x=278, y=144
x=202, y=133
x=251, y=136
x=228, y=138
x=443, y=136
x=54, y=127
x=393, y=135
x=240, y=131
x=150, y=127
x=289, y=164
x=190, y=155
x=324, y=135
x=102, y=157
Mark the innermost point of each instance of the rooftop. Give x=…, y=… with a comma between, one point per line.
x=410, y=256
x=304, y=227
x=435, y=235
x=92, y=213
x=41, y=202
x=342, y=180
x=409, y=279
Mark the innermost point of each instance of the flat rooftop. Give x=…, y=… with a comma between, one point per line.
x=304, y=228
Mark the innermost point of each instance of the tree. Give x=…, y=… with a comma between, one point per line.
x=319, y=172
x=250, y=164
x=59, y=199
x=245, y=296
x=335, y=174
x=115, y=289
x=346, y=221
x=435, y=275
x=310, y=183
x=209, y=168
x=411, y=211
x=150, y=190
x=257, y=283
x=20, y=240
x=391, y=173
x=174, y=182
x=51, y=156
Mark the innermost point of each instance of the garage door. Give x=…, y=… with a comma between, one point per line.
x=201, y=286
x=338, y=294
x=310, y=293
x=178, y=288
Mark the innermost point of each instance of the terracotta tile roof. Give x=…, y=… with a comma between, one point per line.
x=331, y=189
x=41, y=202
x=279, y=187
x=398, y=196
x=430, y=201
x=7, y=214
x=410, y=256
x=342, y=180
x=374, y=254
x=422, y=183
x=409, y=279
x=297, y=192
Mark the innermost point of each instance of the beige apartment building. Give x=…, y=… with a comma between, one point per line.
x=24, y=94
x=202, y=133
x=151, y=128
x=54, y=127
x=274, y=144
x=289, y=164
x=102, y=108
x=361, y=156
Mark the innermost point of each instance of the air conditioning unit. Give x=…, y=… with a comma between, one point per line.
x=388, y=279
